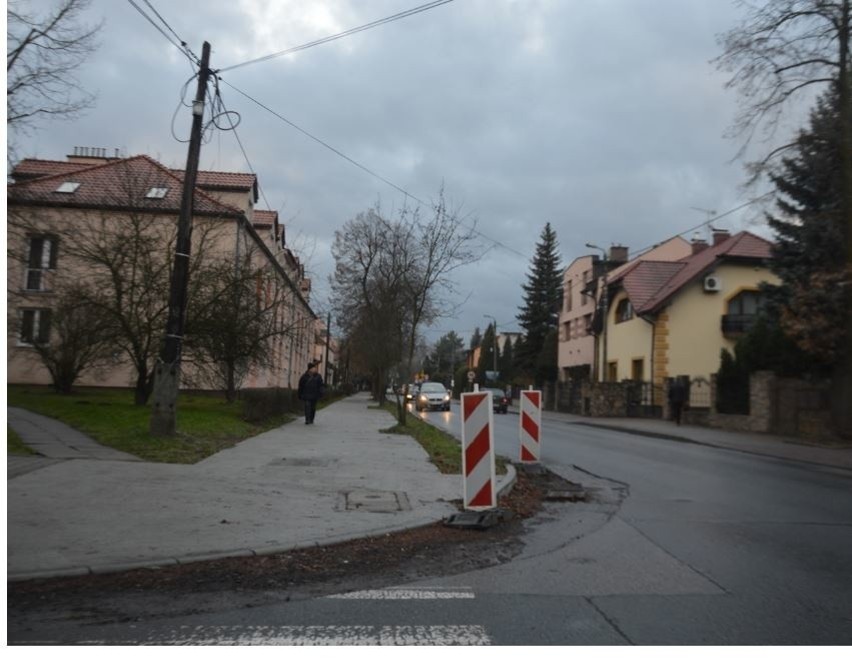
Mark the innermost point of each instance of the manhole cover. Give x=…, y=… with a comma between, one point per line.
x=375, y=501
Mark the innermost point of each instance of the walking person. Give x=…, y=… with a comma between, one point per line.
x=677, y=397
x=311, y=389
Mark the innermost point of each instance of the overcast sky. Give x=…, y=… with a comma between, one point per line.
x=604, y=118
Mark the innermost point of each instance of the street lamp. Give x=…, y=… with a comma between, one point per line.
x=494, y=346
x=604, y=304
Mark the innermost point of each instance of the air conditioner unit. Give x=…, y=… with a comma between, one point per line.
x=712, y=283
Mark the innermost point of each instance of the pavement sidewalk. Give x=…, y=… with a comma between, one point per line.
x=768, y=445
x=292, y=487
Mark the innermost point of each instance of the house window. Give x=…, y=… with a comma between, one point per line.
x=637, y=370
x=612, y=371
x=623, y=311
x=40, y=258
x=566, y=331
x=568, y=295
x=35, y=326
x=588, y=327
x=68, y=187
x=584, y=298
x=748, y=302
x=742, y=312
x=157, y=193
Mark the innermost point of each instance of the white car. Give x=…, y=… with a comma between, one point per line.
x=432, y=395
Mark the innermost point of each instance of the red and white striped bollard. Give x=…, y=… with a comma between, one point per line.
x=478, y=472
x=530, y=427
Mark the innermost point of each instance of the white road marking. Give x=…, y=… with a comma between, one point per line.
x=394, y=594
x=324, y=636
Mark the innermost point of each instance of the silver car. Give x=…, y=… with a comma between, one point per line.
x=432, y=395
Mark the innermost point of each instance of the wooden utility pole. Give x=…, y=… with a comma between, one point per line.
x=167, y=370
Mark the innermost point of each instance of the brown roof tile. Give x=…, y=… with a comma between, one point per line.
x=32, y=168
x=265, y=217
x=115, y=184
x=743, y=245
x=644, y=280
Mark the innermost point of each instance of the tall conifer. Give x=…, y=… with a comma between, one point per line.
x=542, y=300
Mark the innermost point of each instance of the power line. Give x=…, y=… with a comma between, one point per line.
x=637, y=252
x=340, y=35
x=369, y=171
x=182, y=46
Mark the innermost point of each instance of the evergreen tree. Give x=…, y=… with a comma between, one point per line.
x=486, y=356
x=476, y=339
x=810, y=256
x=547, y=363
x=542, y=300
x=445, y=358
x=732, y=385
x=519, y=375
x=506, y=362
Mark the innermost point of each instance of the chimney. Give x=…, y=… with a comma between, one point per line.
x=618, y=254
x=698, y=245
x=90, y=155
x=720, y=235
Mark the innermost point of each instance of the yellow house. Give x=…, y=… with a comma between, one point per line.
x=666, y=319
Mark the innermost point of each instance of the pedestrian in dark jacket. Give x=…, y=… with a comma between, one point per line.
x=678, y=392
x=311, y=389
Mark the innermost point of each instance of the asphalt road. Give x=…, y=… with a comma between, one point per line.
x=679, y=544
x=767, y=543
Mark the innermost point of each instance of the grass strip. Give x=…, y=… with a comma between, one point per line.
x=206, y=424
x=444, y=449
x=15, y=445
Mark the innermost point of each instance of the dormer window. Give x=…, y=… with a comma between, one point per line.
x=157, y=193
x=623, y=311
x=68, y=187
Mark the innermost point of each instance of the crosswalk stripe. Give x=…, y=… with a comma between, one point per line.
x=400, y=594
x=461, y=635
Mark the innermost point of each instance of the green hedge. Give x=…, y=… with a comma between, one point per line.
x=262, y=403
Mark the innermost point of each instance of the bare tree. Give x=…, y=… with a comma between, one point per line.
x=237, y=318
x=780, y=51
x=394, y=276
x=369, y=294
x=68, y=338
x=440, y=245
x=43, y=53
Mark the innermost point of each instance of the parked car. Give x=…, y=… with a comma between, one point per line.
x=432, y=395
x=499, y=400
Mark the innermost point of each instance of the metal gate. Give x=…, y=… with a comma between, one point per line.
x=644, y=400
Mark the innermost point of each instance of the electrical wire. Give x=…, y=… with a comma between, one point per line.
x=369, y=171
x=340, y=35
x=638, y=252
x=182, y=47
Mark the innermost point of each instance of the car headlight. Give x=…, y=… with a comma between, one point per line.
x=447, y=397
x=423, y=398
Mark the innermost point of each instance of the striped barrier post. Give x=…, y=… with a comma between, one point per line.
x=530, y=427
x=478, y=451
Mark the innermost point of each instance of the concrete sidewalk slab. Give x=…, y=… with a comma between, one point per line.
x=284, y=489
x=56, y=440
